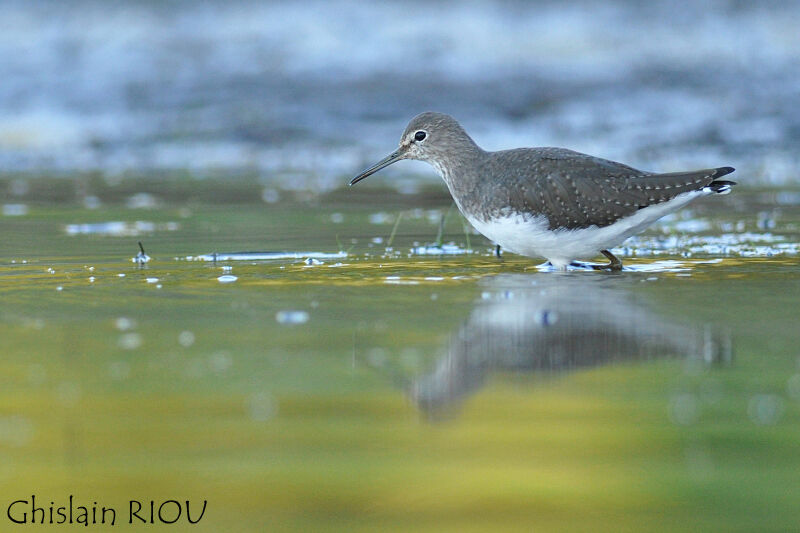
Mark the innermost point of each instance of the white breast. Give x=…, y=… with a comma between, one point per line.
x=529, y=235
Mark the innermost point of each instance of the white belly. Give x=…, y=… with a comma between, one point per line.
x=529, y=235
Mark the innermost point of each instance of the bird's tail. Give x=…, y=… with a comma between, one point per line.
x=721, y=186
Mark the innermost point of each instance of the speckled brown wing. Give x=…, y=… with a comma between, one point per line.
x=574, y=190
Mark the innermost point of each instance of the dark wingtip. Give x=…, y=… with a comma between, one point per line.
x=721, y=171
x=721, y=186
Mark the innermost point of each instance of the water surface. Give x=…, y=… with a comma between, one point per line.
x=349, y=383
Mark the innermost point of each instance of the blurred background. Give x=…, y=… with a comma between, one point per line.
x=302, y=95
x=377, y=368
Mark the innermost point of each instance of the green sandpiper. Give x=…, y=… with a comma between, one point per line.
x=548, y=202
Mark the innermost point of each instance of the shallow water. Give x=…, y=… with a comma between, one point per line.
x=353, y=383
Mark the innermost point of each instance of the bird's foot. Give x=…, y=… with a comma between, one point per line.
x=615, y=265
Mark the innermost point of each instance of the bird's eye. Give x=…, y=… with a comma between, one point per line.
x=420, y=136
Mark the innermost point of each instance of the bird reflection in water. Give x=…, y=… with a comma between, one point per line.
x=553, y=324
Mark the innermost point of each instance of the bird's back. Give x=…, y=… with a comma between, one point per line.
x=574, y=190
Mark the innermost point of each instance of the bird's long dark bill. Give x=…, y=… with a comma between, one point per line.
x=385, y=162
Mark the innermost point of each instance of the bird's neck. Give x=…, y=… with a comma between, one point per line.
x=460, y=171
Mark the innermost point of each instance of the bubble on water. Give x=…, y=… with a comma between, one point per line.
x=15, y=210
x=118, y=228
x=337, y=218
x=788, y=198
x=151, y=280
x=37, y=374
x=397, y=280
x=227, y=278
x=687, y=226
x=291, y=317
x=220, y=362
x=433, y=216
x=91, y=202
x=445, y=249
x=270, y=196
x=124, y=323
x=20, y=187
x=261, y=406
x=15, y=430
x=119, y=370
x=765, y=409
x=141, y=200
x=51, y=271
x=59, y=288
x=793, y=387
x=68, y=393
x=377, y=240
x=380, y=218
x=91, y=279
x=683, y=409
x=729, y=244
x=310, y=261
x=121, y=275
x=34, y=323
x=263, y=256
x=377, y=357
x=226, y=268
x=186, y=338
x=129, y=341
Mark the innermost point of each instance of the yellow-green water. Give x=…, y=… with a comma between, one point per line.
x=394, y=391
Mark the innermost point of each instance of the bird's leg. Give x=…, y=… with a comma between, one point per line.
x=497, y=251
x=615, y=263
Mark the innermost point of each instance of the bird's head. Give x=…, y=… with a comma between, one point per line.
x=430, y=137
